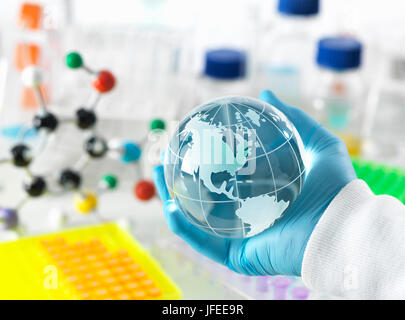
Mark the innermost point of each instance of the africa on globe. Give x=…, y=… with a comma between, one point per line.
x=234, y=166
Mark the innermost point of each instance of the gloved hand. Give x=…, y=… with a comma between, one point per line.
x=279, y=249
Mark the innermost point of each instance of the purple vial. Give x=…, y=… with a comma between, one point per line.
x=262, y=284
x=300, y=293
x=281, y=285
x=8, y=219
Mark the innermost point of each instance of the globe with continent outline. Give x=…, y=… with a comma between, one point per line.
x=234, y=166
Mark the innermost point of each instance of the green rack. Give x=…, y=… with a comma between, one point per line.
x=381, y=178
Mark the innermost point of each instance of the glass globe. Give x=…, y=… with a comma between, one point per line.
x=234, y=166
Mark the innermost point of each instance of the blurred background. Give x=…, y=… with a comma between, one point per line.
x=343, y=62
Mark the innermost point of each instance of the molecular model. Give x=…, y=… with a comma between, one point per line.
x=95, y=146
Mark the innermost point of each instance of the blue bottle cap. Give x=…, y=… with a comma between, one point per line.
x=225, y=64
x=299, y=7
x=339, y=53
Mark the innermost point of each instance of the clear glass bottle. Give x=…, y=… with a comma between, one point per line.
x=384, y=130
x=286, y=52
x=26, y=44
x=224, y=74
x=340, y=91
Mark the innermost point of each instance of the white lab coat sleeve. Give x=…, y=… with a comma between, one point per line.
x=357, y=249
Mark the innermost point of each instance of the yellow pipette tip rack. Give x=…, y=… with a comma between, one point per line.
x=101, y=262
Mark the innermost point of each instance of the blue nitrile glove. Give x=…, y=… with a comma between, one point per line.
x=279, y=249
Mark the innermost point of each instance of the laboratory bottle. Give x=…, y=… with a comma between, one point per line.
x=285, y=53
x=339, y=96
x=224, y=74
x=384, y=130
x=25, y=45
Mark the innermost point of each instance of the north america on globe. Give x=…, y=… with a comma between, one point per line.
x=226, y=175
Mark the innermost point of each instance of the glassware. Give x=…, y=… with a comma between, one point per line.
x=339, y=98
x=234, y=165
